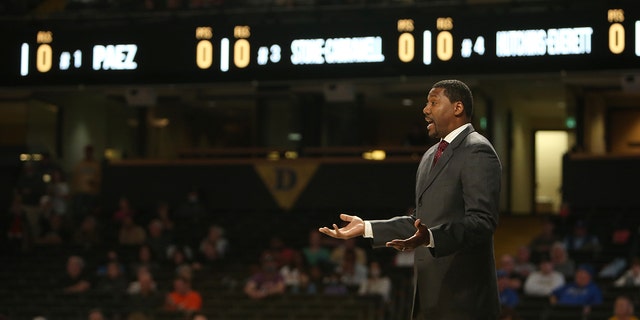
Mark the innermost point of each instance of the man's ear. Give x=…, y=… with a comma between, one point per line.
x=458, y=109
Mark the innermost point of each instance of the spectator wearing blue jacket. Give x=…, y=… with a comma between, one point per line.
x=582, y=291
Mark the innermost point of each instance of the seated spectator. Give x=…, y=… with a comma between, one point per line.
x=113, y=281
x=623, y=309
x=333, y=285
x=157, y=238
x=163, y=213
x=279, y=250
x=316, y=253
x=561, y=260
x=507, y=266
x=180, y=258
x=96, y=314
x=376, y=283
x=144, y=296
x=182, y=297
x=352, y=273
x=304, y=285
x=522, y=263
x=631, y=277
x=540, y=245
x=267, y=281
x=582, y=291
x=542, y=282
x=509, y=297
x=144, y=284
x=130, y=233
x=124, y=211
x=337, y=254
x=53, y=230
x=581, y=244
x=291, y=269
x=111, y=255
x=216, y=241
x=75, y=280
x=19, y=237
x=88, y=235
x=145, y=258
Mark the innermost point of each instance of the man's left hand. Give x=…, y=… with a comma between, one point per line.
x=420, y=238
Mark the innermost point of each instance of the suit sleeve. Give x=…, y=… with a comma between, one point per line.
x=400, y=227
x=481, y=179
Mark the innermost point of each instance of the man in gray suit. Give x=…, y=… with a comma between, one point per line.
x=457, y=208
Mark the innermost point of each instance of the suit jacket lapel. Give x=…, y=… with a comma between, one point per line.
x=424, y=181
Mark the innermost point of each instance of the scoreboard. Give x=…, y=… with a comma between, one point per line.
x=214, y=48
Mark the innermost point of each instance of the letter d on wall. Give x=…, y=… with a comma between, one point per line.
x=286, y=181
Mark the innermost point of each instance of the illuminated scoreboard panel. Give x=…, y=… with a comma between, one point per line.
x=201, y=50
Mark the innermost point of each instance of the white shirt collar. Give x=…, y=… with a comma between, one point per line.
x=453, y=134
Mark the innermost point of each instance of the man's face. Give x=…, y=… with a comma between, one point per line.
x=438, y=113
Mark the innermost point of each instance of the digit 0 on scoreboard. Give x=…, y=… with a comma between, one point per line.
x=616, y=31
x=204, y=48
x=406, y=41
x=242, y=47
x=444, y=39
x=44, y=54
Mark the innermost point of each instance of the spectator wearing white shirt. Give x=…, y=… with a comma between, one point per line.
x=543, y=281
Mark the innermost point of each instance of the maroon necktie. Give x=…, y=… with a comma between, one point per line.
x=441, y=146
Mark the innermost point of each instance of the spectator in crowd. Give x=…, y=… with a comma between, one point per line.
x=304, y=284
x=130, y=233
x=182, y=297
x=352, y=273
x=59, y=191
x=292, y=268
x=337, y=254
x=53, y=229
x=540, y=244
x=179, y=257
x=124, y=210
x=333, y=285
x=145, y=258
x=31, y=188
x=506, y=265
x=158, y=239
x=143, y=294
x=316, y=253
x=215, y=242
x=581, y=244
x=377, y=283
x=279, y=250
x=267, y=281
x=87, y=180
x=542, y=282
x=193, y=210
x=75, y=280
x=163, y=213
x=509, y=297
x=631, y=277
x=110, y=255
x=96, y=314
x=144, y=284
x=522, y=262
x=623, y=309
x=16, y=228
x=561, y=260
x=113, y=281
x=88, y=235
x=582, y=291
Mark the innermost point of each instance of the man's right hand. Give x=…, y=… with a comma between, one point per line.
x=354, y=228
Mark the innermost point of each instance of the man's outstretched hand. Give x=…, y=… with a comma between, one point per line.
x=420, y=238
x=354, y=228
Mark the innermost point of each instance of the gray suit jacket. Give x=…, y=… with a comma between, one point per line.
x=458, y=199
